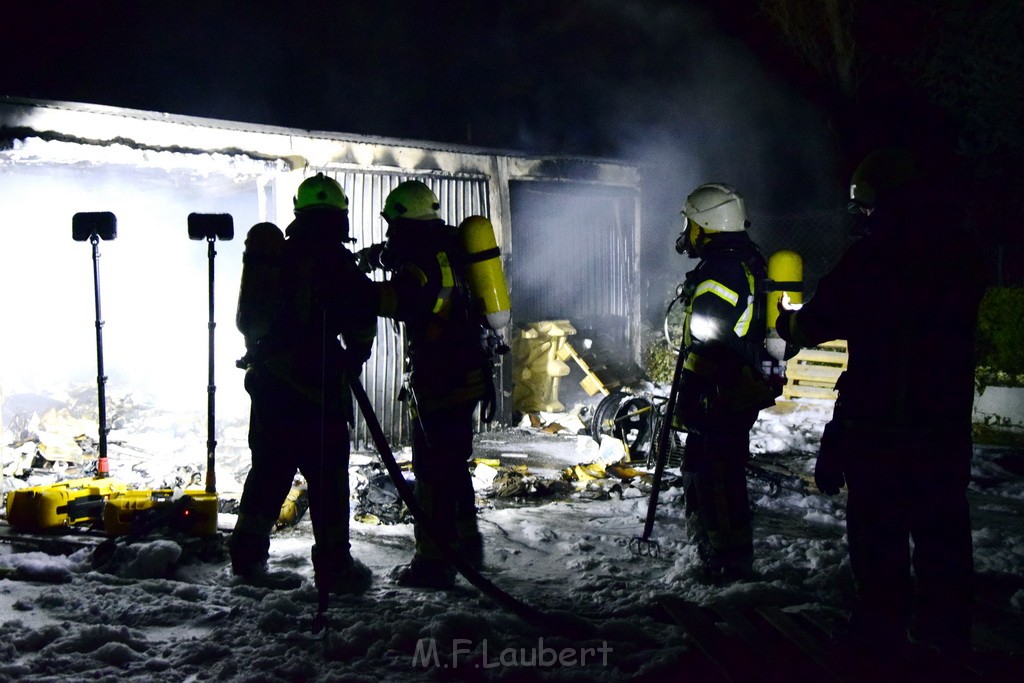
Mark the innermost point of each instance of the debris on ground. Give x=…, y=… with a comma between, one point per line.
x=377, y=500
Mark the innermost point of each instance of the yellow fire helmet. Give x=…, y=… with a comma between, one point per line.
x=411, y=199
x=320, y=192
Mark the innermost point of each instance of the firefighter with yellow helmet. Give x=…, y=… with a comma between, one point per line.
x=905, y=297
x=450, y=373
x=300, y=290
x=722, y=388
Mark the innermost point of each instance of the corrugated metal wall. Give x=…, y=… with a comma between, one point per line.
x=574, y=256
x=460, y=196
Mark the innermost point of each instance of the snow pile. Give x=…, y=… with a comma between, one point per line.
x=155, y=612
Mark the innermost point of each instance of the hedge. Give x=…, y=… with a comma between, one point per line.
x=1001, y=337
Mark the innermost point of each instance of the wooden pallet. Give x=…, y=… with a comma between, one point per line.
x=812, y=373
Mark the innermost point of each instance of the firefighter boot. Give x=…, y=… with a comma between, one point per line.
x=426, y=572
x=470, y=543
x=343, y=574
x=428, y=568
x=249, y=546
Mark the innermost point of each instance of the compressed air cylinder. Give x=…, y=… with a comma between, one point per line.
x=258, y=294
x=483, y=270
x=785, y=276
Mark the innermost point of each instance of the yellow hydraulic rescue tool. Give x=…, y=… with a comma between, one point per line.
x=75, y=502
x=134, y=512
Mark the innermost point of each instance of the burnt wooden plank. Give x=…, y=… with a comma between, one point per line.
x=728, y=653
x=813, y=650
x=754, y=637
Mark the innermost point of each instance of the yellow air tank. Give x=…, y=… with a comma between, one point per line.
x=483, y=270
x=785, y=276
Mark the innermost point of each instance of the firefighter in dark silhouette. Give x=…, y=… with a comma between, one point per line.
x=450, y=374
x=905, y=297
x=297, y=296
x=722, y=387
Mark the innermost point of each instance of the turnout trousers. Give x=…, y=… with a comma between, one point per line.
x=717, y=506
x=908, y=511
x=442, y=443
x=289, y=433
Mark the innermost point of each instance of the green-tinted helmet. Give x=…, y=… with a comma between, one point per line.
x=413, y=200
x=881, y=172
x=320, y=192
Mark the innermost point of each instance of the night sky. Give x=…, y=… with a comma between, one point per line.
x=657, y=82
x=689, y=90
x=534, y=74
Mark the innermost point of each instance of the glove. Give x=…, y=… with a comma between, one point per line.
x=352, y=362
x=368, y=259
x=828, y=476
x=828, y=469
x=693, y=407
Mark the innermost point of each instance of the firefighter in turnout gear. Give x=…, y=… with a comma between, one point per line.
x=905, y=296
x=298, y=294
x=722, y=387
x=450, y=373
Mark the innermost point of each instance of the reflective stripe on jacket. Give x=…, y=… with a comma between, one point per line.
x=724, y=326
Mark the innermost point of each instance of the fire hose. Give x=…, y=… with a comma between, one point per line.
x=561, y=623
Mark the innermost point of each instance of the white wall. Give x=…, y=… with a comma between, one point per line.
x=153, y=283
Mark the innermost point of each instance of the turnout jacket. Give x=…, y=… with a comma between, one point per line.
x=724, y=328
x=446, y=355
x=905, y=297
x=320, y=295
x=724, y=331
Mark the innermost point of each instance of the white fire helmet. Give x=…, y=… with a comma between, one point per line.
x=715, y=206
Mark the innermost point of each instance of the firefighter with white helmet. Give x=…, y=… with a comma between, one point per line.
x=300, y=290
x=450, y=373
x=722, y=386
x=905, y=297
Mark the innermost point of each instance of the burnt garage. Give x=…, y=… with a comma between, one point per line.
x=568, y=229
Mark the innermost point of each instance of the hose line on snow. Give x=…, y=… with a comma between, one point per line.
x=561, y=623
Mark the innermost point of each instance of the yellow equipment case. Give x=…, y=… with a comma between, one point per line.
x=193, y=511
x=68, y=503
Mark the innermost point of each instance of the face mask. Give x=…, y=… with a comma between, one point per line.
x=685, y=241
x=682, y=243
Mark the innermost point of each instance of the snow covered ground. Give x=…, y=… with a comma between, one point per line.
x=158, y=614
